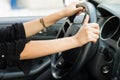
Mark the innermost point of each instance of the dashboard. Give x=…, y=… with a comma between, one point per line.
x=107, y=60
x=110, y=28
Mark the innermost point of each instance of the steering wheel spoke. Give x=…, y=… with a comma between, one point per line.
x=64, y=28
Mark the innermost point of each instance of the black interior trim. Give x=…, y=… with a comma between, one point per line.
x=40, y=69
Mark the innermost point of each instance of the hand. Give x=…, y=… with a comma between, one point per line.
x=71, y=9
x=89, y=32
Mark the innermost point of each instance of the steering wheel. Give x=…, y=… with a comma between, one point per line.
x=58, y=62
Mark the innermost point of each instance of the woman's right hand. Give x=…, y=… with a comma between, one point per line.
x=89, y=32
x=71, y=9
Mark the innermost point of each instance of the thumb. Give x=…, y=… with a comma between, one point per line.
x=86, y=20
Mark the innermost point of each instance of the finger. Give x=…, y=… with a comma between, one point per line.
x=93, y=39
x=79, y=9
x=94, y=25
x=94, y=30
x=86, y=20
x=96, y=36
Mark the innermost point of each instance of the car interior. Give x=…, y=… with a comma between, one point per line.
x=99, y=61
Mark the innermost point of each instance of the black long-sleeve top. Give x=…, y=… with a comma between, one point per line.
x=12, y=43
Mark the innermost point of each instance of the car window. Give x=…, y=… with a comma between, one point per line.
x=108, y=1
x=67, y=2
x=14, y=8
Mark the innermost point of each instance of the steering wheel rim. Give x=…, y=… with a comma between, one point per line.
x=81, y=59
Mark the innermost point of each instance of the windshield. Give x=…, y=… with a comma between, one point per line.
x=108, y=1
x=15, y=8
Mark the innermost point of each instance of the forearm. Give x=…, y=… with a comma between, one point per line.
x=35, y=49
x=33, y=27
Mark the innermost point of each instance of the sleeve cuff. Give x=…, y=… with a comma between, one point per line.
x=13, y=55
x=19, y=31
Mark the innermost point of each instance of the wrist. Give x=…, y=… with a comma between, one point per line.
x=77, y=41
x=62, y=13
